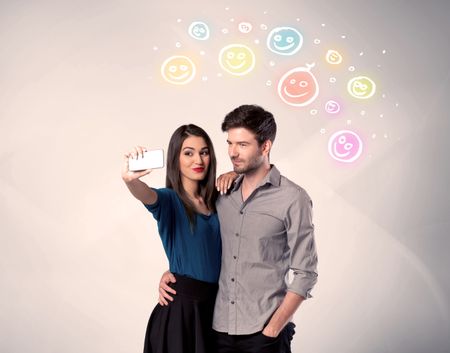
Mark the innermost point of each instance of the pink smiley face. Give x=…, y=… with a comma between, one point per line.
x=345, y=146
x=332, y=107
x=298, y=87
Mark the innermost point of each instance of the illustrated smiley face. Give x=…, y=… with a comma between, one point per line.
x=333, y=57
x=199, y=30
x=237, y=59
x=361, y=87
x=298, y=87
x=332, y=107
x=284, y=40
x=178, y=70
x=245, y=27
x=345, y=146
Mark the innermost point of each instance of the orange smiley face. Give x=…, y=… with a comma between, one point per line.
x=298, y=87
x=178, y=70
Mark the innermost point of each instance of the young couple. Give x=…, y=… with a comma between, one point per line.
x=229, y=254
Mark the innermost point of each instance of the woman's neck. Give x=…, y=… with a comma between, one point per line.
x=191, y=187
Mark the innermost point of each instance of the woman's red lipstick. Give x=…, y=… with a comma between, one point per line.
x=198, y=170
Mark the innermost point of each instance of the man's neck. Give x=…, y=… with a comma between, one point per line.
x=253, y=179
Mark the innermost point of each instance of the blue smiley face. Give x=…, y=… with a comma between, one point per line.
x=199, y=30
x=284, y=41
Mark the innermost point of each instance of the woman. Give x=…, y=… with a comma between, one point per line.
x=189, y=230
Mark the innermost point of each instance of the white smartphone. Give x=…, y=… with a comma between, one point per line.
x=151, y=160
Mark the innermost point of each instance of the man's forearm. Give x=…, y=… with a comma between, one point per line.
x=283, y=314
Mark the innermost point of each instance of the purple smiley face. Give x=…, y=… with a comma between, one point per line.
x=332, y=107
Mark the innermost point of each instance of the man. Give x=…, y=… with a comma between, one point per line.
x=267, y=230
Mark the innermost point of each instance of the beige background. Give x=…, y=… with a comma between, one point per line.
x=79, y=85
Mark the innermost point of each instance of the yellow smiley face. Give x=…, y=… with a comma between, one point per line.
x=178, y=70
x=333, y=57
x=361, y=87
x=237, y=59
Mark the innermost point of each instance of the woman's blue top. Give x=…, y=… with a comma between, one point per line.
x=193, y=253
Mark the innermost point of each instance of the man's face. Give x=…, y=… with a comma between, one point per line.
x=244, y=151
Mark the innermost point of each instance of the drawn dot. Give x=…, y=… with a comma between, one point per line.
x=263, y=27
x=322, y=131
x=313, y=111
x=178, y=44
x=332, y=79
x=351, y=68
x=224, y=30
x=316, y=41
x=268, y=83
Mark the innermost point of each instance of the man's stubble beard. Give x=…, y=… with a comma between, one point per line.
x=252, y=166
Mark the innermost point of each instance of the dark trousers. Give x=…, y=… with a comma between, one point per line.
x=256, y=342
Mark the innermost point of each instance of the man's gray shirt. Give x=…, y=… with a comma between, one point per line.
x=262, y=239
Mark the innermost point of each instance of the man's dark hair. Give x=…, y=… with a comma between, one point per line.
x=253, y=118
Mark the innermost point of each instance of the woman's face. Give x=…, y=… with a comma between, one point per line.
x=194, y=158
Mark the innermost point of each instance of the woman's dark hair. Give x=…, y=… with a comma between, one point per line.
x=207, y=190
x=253, y=118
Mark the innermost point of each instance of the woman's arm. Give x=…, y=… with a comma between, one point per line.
x=138, y=188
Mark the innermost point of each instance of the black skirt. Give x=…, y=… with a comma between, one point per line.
x=185, y=325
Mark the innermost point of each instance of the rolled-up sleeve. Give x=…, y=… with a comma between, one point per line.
x=303, y=255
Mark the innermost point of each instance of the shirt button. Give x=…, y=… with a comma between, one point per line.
x=237, y=234
x=232, y=280
x=235, y=257
x=241, y=212
x=232, y=302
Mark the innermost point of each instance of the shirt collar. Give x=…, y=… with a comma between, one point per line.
x=272, y=177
